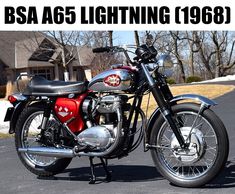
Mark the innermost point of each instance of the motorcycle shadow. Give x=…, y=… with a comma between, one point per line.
x=226, y=178
x=120, y=173
x=140, y=173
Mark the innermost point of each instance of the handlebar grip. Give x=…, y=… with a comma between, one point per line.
x=101, y=49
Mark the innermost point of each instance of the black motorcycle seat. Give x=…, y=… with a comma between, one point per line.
x=40, y=86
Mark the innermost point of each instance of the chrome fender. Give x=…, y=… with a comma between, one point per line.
x=206, y=102
x=202, y=99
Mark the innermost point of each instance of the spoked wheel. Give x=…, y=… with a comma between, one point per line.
x=207, y=149
x=27, y=135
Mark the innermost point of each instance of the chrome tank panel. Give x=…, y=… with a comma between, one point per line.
x=127, y=78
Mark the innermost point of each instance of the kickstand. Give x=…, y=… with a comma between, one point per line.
x=108, y=174
x=104, y=164
x=93, y=178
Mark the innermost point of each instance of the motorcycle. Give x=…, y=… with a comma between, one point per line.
x=55, y=121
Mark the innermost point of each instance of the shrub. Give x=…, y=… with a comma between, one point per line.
x=170, y=81
x=191, y=79
x=2, y=91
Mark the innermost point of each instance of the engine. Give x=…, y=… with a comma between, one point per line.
x=103, y=117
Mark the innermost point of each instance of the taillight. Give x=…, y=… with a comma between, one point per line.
x=12, y=99
x=16, y=97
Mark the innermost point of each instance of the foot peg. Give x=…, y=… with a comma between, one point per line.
x=92, y=165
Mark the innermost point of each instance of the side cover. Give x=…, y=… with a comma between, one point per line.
x=67, y=109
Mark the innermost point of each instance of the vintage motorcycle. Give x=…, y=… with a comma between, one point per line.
x=55, y=121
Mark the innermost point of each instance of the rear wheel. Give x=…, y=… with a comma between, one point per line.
x=27, y=135
x=207, y=152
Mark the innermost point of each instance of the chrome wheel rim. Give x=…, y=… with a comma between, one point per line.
x=29, y=138
x=202, y=151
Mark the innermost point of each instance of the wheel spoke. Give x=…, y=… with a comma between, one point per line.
x=182, y=119
x=164, y=147
x=199, y=126
x=166, y=139
x=198, y=170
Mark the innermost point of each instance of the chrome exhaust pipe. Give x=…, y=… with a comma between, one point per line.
x=49, y=152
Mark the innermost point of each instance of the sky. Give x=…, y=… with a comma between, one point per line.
x=123, y=37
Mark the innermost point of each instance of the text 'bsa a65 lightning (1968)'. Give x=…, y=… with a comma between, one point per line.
x=55, y=121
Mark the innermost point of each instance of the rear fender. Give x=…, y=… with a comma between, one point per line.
x=18, y=108
x=201, y=99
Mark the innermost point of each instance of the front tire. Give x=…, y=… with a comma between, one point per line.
x=207, y=152
x=27, y=129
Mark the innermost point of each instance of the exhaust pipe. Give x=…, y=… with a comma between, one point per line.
x=49, y=152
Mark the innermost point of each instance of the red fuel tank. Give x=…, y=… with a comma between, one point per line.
x=67, y=108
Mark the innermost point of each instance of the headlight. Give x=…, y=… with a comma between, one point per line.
x=165, y=61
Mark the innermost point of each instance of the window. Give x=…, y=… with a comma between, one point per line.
x=42, y=72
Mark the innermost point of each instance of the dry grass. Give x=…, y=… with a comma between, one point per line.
x=3, y=135
x=210, y=91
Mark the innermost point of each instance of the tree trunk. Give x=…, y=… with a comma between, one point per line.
x=66, y=73
x=137, y=39
x=191, y=55
x=206, y=63
x=205, y=60
x=181, y=70
x=110, y=38
x=191, y=65
x=217, y=68
x=56, y=72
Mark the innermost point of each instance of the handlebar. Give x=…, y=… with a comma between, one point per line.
x=113, y=49
x=101, y=49
x=143, y=52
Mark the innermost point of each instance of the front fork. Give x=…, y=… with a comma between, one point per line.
x=164, y=108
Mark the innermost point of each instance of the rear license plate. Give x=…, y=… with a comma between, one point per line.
x=9, y=113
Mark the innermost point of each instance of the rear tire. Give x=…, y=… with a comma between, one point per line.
x=23, y=125
x=189, y=171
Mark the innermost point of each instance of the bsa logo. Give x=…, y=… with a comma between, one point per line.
x=112, y=80
x=62, y=111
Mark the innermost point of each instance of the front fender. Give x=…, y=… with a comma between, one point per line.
x=201, y=99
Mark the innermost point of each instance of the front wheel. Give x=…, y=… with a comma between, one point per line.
x=206, y=154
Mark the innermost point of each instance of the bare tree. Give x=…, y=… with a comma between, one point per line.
x=223, y=55
x=63, y=40
x=204, y=53
x=102, y=61
x=216, y=51
x=176, y=41
x=204, y=50
x=191, y=39
x=219, y=48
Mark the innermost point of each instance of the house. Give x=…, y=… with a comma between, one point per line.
x=38, y=54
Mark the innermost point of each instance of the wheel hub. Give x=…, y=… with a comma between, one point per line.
x=195, y=149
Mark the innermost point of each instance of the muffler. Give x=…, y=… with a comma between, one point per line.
x=49, y=152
